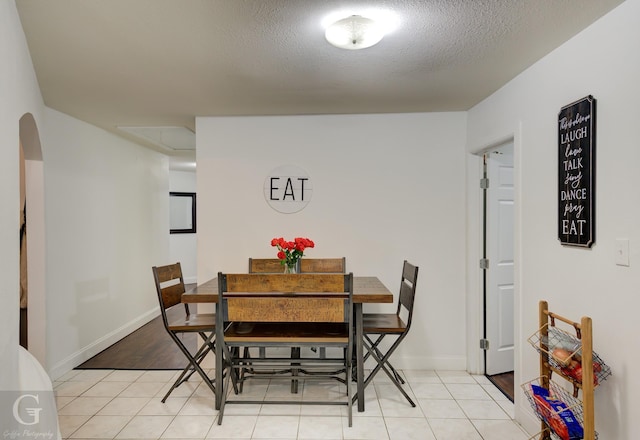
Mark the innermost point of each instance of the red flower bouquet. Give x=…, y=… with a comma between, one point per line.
x=289, y=252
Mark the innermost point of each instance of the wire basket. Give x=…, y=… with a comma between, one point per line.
x=549, y=417
x=564, y=353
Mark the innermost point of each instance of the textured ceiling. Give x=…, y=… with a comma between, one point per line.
x=162, y=62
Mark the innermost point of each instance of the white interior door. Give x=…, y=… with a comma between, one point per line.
x=499, y=290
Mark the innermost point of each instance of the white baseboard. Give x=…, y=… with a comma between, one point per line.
x=87, y=352
x=455, y=363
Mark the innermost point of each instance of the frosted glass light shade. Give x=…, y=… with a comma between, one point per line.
x=354, y=32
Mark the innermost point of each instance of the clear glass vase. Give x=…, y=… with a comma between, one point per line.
x=291, y=268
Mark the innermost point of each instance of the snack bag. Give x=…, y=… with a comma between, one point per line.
x=557, y=415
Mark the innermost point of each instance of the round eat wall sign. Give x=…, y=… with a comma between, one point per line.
x=288, y=189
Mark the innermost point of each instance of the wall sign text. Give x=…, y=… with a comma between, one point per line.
x=576, y=173
x=288, y=189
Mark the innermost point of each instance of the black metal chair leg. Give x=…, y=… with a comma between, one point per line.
x=194, y=363
x=374, y=346
x=381, y=364
x=189, y=370
x=295, y=354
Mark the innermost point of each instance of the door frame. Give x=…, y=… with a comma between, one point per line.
x=474, y=278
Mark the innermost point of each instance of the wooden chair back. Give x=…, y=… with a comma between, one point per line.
x=270, y=297
x=307, y=265
x=407, y=292
x=265, y=265
x=169, y=284
x=323, y=265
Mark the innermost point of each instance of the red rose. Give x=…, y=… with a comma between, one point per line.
x=291, y=251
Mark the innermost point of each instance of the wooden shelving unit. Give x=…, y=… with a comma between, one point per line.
x=571, y=358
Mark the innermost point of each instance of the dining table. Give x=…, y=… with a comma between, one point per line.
x=366, y=290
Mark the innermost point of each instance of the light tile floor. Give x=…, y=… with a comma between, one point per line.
x=123, y=404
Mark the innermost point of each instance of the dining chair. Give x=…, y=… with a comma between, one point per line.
x=170, y=287
x=306, y=265
x=377, y=326
x=283, y=310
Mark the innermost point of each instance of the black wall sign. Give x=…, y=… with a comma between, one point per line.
x=576, y=173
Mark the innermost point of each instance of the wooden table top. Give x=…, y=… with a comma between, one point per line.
x=365, y=290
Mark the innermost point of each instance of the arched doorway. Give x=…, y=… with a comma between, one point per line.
x=33, y=300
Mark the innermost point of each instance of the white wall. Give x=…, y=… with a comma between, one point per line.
x=385, y=188
x=106, y=221
x=107, y=224
x=602, y=61
x=182, y=247
x=20, y=94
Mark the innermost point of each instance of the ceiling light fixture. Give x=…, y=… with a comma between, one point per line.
x=354, y=32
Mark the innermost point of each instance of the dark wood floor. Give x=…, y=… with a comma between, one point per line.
x=504, y=382
x=148, y=348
